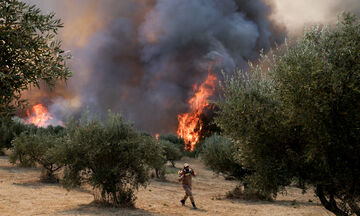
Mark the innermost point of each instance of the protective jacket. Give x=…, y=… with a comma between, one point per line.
x=186, y=176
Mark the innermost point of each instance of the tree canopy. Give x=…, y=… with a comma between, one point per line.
x=29, y=52
x=111, y=156
x=296, y=116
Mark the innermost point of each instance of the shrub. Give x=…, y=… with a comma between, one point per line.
x=9, y=129
x=175, y=140
x=181, y=145
x=156, y=156
x=171, y=152
x=40, y=148
x=218, y=154
x=112, y=157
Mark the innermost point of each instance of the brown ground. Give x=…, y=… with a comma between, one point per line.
x=21, y=193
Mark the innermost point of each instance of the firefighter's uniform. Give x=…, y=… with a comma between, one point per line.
x=185, y=176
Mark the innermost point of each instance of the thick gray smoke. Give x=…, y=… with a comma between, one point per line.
x=146, y=56
x=147, y=69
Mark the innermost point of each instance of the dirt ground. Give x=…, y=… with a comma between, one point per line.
x=21, y=193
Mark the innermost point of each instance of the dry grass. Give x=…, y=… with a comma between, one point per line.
x=21, y=193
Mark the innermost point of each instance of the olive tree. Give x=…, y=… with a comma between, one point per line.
x=39, y=147
x=300, y=119
x=29, y=52
x=175, y=140
x=318, y=82
x=218, y=154
x=250, y=116
x=112, y=157
x=171, y=152
x=9, y=129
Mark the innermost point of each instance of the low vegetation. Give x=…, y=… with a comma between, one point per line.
x=39, y=147
x=218, y=154
x=9, y=129
x=171, y=152
x=112, y=157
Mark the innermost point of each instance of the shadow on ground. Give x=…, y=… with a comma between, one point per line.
x=16, y=169
x=39, y=184
x=277, y=202
x=94, y=209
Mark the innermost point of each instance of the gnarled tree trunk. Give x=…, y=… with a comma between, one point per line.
x=329, y=204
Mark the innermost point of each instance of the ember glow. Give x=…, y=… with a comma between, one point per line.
x=189, y=126
x=39, y=116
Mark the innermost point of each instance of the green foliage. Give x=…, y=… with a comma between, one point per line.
x=198, y=149
x=39, y=147
x=112, y=157
x=218, y=154
x=156, y=157
x=251, y=117
x=171, y=152
x=324, y=68
x=180, y=144
x=300, y=120
x=177, y=141
x=9, y=129
x=28, y=52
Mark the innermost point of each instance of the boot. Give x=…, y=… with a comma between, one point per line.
x=182, y=202
x=193, y=203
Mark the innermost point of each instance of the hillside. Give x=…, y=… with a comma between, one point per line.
x=21, y=193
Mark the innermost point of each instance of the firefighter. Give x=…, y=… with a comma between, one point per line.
x=185, y=177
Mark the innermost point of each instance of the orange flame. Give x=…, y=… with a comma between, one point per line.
x=189, y=126
x=39, y=116
x=157, y=136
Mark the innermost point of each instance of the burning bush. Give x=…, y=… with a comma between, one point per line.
x=112, y=157
x=190, y=125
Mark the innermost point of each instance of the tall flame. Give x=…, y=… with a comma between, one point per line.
x=189, y=127
x=38, y=116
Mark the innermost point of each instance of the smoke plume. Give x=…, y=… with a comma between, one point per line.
x=142, y=58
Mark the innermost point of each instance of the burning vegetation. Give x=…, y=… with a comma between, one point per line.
x=39, y=116
x=154, y=52
x=190, y=124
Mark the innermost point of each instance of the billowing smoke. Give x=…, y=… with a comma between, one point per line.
x=142, y=58
x=147, y=69
x=146, y=66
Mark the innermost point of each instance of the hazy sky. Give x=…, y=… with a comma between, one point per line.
x=295, y=14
